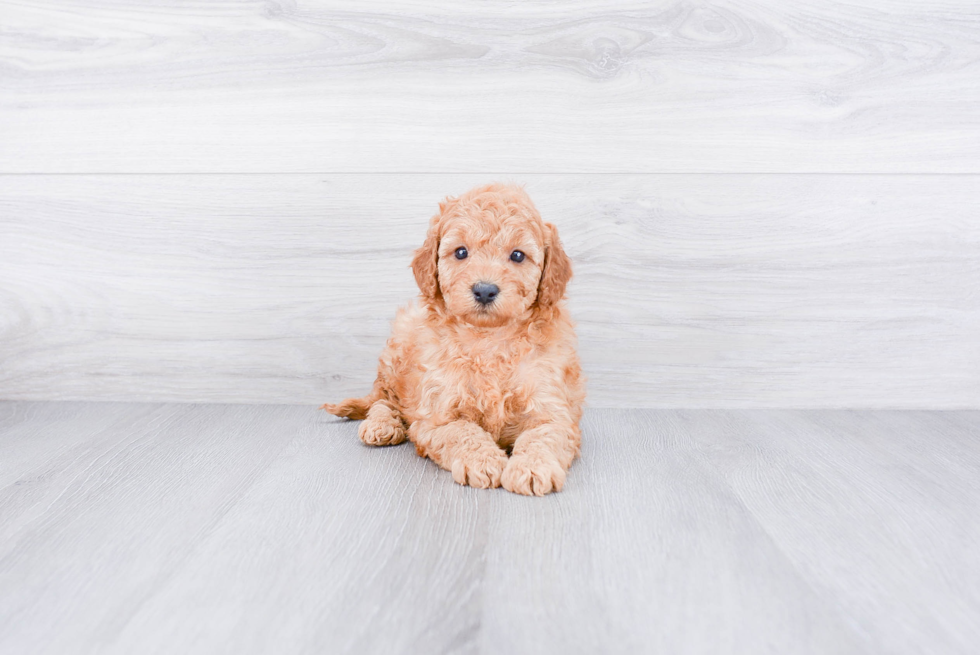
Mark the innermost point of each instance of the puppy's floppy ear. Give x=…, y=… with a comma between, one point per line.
x=557, y=269
x=425, y=263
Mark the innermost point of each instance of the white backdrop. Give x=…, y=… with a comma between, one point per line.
x=767, y=205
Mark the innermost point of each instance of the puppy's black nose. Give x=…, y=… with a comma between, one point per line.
x=484, y=292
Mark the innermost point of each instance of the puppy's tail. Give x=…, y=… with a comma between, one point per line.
x=354, y=408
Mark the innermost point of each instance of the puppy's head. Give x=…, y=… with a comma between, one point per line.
x=490, y=258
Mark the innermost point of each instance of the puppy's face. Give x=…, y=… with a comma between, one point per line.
x=491, y=258
x=489, y=267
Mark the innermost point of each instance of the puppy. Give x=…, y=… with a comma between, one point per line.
x=482, y=375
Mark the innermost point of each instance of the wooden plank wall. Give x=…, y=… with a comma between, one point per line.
x=768, y=204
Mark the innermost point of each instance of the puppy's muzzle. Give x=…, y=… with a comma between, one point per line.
x=485, y=293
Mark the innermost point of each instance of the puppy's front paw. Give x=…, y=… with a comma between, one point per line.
x=533, y=474
x=481, y=467
x=382, y=431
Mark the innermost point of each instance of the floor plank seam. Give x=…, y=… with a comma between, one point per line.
x=844, y=619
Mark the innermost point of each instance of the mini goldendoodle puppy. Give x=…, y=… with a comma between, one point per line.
x=485, y=365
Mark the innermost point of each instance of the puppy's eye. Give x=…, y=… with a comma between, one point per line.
x=517, y=256
x=461, y=253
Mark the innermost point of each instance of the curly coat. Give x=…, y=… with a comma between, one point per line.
x=492, y=392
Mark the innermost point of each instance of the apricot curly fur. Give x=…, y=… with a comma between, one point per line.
x=492, y=393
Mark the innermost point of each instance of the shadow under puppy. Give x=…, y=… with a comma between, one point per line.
x=485, y=365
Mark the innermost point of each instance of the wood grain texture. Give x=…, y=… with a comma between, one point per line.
x=851, y=500
x=412, y=86
x=647, y=551
x=724, y=291
x=216, y=528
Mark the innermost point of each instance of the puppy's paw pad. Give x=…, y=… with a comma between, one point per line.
x=376, y=432
x=480, y=468
x=533, y=474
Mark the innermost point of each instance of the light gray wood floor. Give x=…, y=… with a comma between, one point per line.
x=137, y=528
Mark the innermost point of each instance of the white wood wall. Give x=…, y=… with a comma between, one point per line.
x=768, y=203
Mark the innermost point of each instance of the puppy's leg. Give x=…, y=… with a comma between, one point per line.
x=540, y=458
x=462, y=447
x=383, y=425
